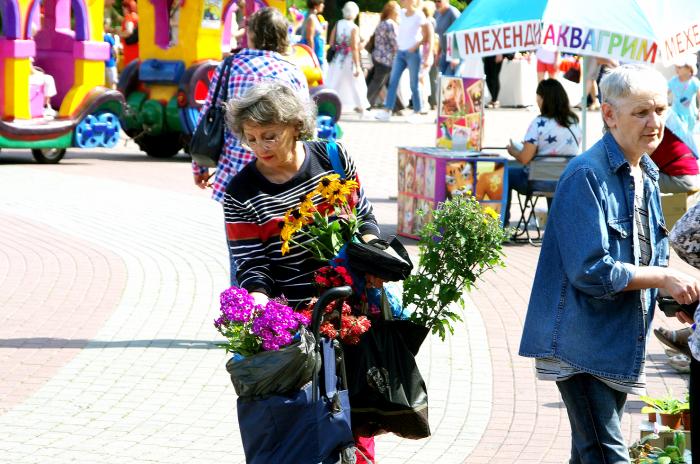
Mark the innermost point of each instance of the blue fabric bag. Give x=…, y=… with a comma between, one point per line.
x=308, y=426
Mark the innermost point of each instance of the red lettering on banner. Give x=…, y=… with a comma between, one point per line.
x=562, y=35
x=496, y=41
x=647, y=53
x=506, y=37
x=549, y=35
x=472, y=45
x=517, y=35
x=696, y=34
x=531, y=36
x=678, y=43
x=669, y=45
x=485, y=40
x=688, y=39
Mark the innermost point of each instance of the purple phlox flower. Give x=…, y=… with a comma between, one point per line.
x=276, y=324
x=236, y=304
x=219, y=322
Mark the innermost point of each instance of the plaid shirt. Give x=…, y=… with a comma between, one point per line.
x=248, y=68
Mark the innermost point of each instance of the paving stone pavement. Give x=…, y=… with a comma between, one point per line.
x=110, y=269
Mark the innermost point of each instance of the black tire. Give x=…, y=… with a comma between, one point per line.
x=48, y=155
x=160, y=146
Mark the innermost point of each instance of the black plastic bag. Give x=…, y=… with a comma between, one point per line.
x=387, y=260
x=387, y=391
x=275, y=372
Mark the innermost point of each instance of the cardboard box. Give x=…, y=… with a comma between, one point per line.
x=674, y=205
x=665, y=434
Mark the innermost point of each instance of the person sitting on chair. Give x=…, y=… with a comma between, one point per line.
x=554, y=132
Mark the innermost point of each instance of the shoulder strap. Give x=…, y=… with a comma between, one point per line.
x=223, y=76
x=572, y=134
x=332, y=149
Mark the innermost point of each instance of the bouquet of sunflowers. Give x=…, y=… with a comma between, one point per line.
x=324, y=220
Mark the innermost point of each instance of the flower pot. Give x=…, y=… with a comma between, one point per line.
x=652, y=416
x=671, y=420
x=686, y=420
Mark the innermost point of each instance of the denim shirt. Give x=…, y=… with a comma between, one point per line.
x=578, y=312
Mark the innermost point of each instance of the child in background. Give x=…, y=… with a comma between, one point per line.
x=111, y=62
x=39, y=78
x=684, y=91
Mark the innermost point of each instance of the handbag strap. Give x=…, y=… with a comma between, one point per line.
x=223, y=76
x=400, y=250
x=334, y=156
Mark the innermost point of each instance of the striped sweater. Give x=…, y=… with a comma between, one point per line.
x=254, y=208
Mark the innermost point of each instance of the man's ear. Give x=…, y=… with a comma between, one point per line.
x=608, y=113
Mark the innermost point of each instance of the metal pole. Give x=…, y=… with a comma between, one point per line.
x=584, y=104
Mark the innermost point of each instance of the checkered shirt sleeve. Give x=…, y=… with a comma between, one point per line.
x=249, y=67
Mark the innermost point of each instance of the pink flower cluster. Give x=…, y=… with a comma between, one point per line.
x=250, y=327
x=276, y=324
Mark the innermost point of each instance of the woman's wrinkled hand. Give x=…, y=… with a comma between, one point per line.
x=684, y=318
x=259, y=298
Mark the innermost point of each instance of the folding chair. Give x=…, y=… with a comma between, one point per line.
x=544, y=172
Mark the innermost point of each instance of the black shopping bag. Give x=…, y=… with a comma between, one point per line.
x=387, y=391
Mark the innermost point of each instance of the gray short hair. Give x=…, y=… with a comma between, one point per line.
x=270, y=103
x=631, y=79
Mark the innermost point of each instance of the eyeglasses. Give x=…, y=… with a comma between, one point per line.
x=266, y=144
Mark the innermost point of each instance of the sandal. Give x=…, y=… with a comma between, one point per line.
x=680, y=363
x=675, y=339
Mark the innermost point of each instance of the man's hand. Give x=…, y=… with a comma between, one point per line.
x=682, y=288
x=202, y=180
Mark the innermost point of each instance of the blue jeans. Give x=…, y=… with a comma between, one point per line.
x=518, y=181
x=404, y=59
x=595, y=412
x=444, y=66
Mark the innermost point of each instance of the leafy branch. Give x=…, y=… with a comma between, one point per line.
x=459, y=244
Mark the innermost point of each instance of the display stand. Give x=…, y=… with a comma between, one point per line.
x=429, y=175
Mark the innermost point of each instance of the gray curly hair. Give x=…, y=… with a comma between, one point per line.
x=270, y=103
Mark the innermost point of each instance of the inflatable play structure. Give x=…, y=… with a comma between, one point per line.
x=180, y=46
x=52, y=93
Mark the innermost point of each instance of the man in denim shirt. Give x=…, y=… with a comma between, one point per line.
x=603, y=258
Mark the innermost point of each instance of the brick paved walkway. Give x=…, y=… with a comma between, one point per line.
x=110, y=268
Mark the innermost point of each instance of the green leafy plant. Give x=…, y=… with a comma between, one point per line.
x=643, y=452
x=461, y=242
x=664, y=405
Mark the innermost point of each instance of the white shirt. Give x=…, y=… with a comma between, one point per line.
x=553, y=139
x=409, y=29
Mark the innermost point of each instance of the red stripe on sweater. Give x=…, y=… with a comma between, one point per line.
x=249, y=230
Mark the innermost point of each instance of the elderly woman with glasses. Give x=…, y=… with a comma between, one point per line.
x=604, y=259
x=276, y=125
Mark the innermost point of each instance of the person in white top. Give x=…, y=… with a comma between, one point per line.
x=554, y=132
x=344, y=72
x=413, y=31
x=547, y=62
